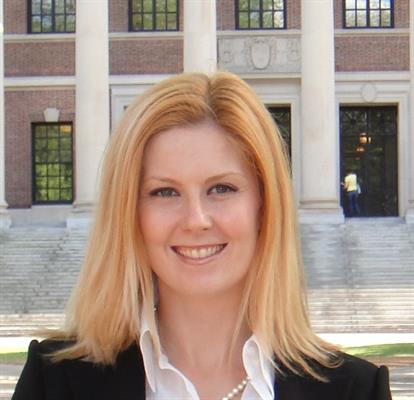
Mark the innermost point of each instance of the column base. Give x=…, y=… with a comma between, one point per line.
x=321, y=216
x=409, y=215
x=80, y=217
x=5, y=220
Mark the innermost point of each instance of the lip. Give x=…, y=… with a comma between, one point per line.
x=200, y=252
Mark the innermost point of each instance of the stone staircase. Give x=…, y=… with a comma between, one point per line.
x=38, y=268
x=360, y=276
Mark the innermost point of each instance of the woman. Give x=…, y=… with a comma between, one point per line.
x=353, y=190
x=192, y=285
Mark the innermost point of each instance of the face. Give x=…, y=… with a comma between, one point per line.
x=198, y=211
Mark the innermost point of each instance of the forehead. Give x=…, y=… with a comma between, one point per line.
x=205, y=144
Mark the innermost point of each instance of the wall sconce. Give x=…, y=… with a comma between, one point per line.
x=364, y=138
x=360, y=149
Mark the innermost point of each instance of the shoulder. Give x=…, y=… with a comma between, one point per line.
x=354, y=368
x=353, y=379
x=39, y=374
x=43, y=378
x=363, y=377
x=43, y=352
x=48, y=346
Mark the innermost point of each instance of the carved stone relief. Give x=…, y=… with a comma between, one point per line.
x=259, y=54
x=369, y=92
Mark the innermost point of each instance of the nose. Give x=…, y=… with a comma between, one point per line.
x=196, y=215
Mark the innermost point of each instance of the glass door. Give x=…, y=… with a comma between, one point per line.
x=369, y=149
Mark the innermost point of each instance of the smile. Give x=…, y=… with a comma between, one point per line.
x=199, y=252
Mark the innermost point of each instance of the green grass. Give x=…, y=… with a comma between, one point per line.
x=13, y=358
x=383, y=350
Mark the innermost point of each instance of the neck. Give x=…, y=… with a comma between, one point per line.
x=199, y=332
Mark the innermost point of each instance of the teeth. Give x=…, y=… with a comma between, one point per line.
x=200, y=252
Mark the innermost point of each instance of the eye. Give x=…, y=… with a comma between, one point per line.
x=222, y=189
x=163, y=192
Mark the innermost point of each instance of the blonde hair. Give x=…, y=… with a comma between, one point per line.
x=104, y=312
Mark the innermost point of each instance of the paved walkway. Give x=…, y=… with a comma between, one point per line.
x=401, y=368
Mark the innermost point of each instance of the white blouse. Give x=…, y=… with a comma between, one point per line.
x=165, y=382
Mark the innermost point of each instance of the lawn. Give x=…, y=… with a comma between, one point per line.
x=383, y=350
x=13, y=358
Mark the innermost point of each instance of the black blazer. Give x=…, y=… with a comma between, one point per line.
x=355, y=379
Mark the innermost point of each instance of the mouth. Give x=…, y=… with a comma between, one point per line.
x=199, y=252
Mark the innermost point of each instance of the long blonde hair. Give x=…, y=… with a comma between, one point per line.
x=104, y=311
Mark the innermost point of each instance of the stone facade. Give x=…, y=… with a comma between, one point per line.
x=372, y=53
x=22, y=108
x=380, y=51
x=39, y=58
x=136, y=56
x=40, y=72
x=15, y=20
x=246, y=54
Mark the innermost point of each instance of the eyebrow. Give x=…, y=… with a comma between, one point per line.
x=210, y=179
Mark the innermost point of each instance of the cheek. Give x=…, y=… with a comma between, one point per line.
x=152, y=224
x=241, y=221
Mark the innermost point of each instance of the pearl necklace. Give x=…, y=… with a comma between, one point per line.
x=237, y=389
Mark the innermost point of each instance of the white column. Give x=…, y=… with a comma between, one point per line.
x=319, y=197
x=409, y=216
x=5, y=220
x=92, y=103
x=200, y=36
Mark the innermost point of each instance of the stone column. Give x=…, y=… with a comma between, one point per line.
x=92, y=104
x=200, y=36
x=319, y=197
x=5, y=220
x=409, y=215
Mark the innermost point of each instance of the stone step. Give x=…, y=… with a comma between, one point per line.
x=360, y=274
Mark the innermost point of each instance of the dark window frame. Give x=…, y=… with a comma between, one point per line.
x=34, y=163
x=367, y=9
x=261, y=11
x=53, y=15
x=153, y=13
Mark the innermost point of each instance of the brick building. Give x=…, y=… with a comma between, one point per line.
x=335, y=75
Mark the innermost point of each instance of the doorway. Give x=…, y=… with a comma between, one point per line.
x=368, y=146
x=281, y=115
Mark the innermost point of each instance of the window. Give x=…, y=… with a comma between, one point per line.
x=51, y=16
x=52, y=163
x=153, y=15
x=260, y=14
x=368, y=13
